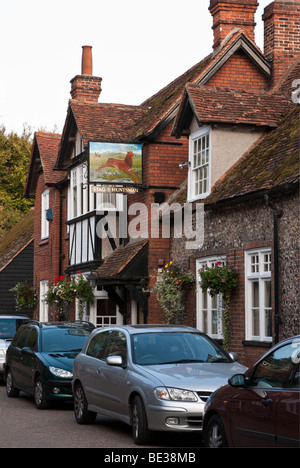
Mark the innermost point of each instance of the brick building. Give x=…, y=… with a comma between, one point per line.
x=232, y=101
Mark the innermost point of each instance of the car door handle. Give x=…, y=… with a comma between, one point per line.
x=267, y=401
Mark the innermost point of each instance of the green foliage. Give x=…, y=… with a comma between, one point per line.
x=218, y=279
x=14, y=158
x=169, y=286
x=63, y=291
x=25, y=295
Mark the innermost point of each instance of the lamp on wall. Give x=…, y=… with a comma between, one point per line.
x=92, y=279
x=182, y=165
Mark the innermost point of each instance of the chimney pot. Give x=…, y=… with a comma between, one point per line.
x=87, y=60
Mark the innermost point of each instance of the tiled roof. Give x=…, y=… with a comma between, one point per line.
x=237, y=107
x=118, y=122
x=43, y=156
x=48, y=144
x=105, y=122
x=114, y=265
x=272, y=163
x=15, y=240
x=163, y=103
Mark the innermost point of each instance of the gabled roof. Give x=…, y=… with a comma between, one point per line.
x=16, y=239
x=211, y=105
x=118, y=122
x=117, y=265
x=43, y=158
x=163, y=105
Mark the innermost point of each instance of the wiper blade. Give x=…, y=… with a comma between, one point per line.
x=182, y=361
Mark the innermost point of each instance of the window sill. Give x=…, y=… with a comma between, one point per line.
x=44, y=242
x=261, y=344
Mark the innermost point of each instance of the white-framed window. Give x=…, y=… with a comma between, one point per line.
x=209, y=309
x=44, y=309
x=82, y=200
x=199, y=164
x=44, y=208
x=258, y=304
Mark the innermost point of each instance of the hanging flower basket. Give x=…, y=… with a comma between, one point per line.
x=169, y=287
x=220, y=279
x=63, y=292
x=25, y=295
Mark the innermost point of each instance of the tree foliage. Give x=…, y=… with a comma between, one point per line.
x=14, y=159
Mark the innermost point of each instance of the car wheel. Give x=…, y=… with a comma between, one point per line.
x=82, y=414
x=140, y=431
x=215, y=435
x=11, y=390
x=40, y=399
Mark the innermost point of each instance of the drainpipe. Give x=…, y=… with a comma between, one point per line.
x=276, y=215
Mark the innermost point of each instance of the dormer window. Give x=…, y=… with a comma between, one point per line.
x=199, y=164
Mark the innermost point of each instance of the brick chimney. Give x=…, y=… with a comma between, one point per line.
x=231, y=14
x=281, y=34
x=86, y=87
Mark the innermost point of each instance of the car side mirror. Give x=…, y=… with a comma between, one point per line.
x=237, y=380
x=233, y=356
x=115, y=361
x=27, y=351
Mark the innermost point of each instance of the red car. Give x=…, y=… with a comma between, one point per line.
x=261, y=407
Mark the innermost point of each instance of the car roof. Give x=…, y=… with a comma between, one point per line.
x=14, y=317
x=150, y=328
x=49, y=325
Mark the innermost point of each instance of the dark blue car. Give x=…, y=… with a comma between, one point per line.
x=40, y=359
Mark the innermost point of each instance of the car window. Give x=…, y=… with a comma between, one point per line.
x=32, y=341
x=295, y=381
x=96, y=346
x=64, y=339
x=166, y=348
x=275, y=369
x=116, y=345
x=7, y=328
x=21, y=337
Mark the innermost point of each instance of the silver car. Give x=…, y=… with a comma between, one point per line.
x=8, y=327
x=154, y=378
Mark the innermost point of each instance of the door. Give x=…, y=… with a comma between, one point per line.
x=89, y=366
x=29, y=361
x=15, y=357
x=288, y=417
x=110, y=381
x=255, y=409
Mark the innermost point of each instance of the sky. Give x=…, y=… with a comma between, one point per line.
x=138, y=48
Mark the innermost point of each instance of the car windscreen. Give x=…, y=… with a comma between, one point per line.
x=8, y=327
x=64, y=339
x=178, y=347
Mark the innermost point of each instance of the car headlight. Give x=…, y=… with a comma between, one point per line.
x=2, y=353
x=62, y=373
x=175, y=394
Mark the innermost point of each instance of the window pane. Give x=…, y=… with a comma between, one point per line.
x=275, y=369
x=255, y=322
x=255, y=294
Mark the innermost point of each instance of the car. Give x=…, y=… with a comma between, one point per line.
x=259, y=408
x=9, y=324
x=39, y=360
x=152, y=377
